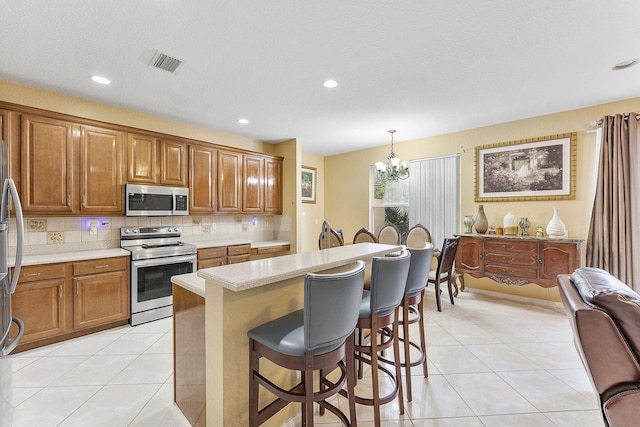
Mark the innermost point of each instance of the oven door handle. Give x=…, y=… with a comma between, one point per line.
x=163, y=261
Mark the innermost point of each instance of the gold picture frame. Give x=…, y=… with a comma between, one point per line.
x=308, y=184
x=533, y=169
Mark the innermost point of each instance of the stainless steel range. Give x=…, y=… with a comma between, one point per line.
x=156, y=254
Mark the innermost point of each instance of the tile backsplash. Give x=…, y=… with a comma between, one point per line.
x=70, y=234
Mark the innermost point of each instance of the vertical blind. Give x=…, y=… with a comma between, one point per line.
x=434, y=194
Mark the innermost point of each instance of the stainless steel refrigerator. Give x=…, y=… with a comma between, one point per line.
x=8, y=282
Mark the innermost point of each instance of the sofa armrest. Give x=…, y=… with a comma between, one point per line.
x=605, y=353
x=623, y=409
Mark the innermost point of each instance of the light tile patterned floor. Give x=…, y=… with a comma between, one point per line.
x=493, y=362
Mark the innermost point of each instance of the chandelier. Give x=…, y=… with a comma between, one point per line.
x=394, y=169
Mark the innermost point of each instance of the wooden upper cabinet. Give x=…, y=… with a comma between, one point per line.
x=101, y=170
x=229, y=195
x=202, y=179
x=252, y=183
x=142, y=159
x=173, y=163
x=47, y=165
x=273, y=186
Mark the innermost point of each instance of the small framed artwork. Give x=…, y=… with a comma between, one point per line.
x=308, y=184
x=531, y=169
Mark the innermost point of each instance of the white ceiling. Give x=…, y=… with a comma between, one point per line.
x=423, y=67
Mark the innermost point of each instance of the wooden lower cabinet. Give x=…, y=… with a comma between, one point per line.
x=65, y=300
x=516, y=260
x=39, y=302
x=223, y=255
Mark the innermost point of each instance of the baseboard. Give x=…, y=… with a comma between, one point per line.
x=516, y=298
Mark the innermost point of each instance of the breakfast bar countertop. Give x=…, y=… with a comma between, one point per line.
x=253, y=274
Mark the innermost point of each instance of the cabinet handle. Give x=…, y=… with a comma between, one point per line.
x=77, y=290
x=31, y=274
x=101, y=266
x=60, y=291
x=510, y=248
x=504, y=259
x=69, y=199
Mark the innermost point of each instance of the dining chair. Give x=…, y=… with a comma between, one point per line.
x=320, y=337
x=444, y=270
x=364, y=236
x=389, y=235
x=328, y=237
x=417, y=237
x=379, y=311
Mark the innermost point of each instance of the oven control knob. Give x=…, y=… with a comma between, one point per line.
x=176, y=229
x=127, y=231
x=135, y=230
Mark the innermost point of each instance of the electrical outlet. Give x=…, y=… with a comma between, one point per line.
x=213, y=225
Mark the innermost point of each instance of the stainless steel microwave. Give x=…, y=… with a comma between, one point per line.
x=153, y=200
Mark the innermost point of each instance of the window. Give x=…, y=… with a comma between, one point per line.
x=431, y=197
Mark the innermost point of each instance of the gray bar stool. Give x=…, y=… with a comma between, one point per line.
x=379, y=310
x=317, y=338
x=413, y=310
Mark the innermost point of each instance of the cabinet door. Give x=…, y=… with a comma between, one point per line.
x=47, y=165
x=101, y=171
x=252, y=184
x=470, y=254
x=100, y=299
x=557, y=258
x=142, y=159
x=173, y=163
x=202, y=179
x=229, y=176
x=40, y=305
x=273, y=186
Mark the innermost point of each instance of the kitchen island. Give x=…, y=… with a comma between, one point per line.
x=213, y=310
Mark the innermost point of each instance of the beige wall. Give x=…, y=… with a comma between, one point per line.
x=347, y=177
x=312, y=214
x=47, y=100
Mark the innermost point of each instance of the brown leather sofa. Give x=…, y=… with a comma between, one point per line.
x=605, y=317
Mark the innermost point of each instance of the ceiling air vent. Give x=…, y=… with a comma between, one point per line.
x=165, y=62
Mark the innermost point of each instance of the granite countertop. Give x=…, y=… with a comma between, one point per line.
x=252, y=274
x=254, y=245
x=70, y=256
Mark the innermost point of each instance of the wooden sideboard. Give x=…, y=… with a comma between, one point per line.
x=516, y=260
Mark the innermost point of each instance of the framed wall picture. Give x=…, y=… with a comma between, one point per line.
x=308, y=184
x=532, y=169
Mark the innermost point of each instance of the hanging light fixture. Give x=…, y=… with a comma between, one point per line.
x=394, y=169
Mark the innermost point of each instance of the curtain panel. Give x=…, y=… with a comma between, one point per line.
x=614, y=232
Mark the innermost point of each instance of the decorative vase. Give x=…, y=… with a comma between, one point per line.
x=510, y=224
x=556, y=228
x=539, y=232
x=524, y=226
x=481, y=222
x=468, y=224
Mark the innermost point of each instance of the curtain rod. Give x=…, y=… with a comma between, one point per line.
x=599, y=122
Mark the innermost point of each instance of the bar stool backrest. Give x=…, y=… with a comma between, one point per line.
x=419, y=269
x=331, y=307
x=388, y=281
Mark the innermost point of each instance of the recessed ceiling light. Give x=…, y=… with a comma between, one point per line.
x=243, y=121
x=101, y=80
x=330, y=84
x=625, y=64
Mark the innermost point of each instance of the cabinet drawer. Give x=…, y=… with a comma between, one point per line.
x=506, y=260
x=212, y=262
x=510, y=245
x=512, y=271
x=239, y=250
x=32, y=273
x=217, y=252
x=234, y=259
x=100, y=266
x=272, y=249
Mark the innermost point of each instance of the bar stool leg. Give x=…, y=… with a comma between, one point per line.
x=423, y=340
x=407, y=348
x=396, y=355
